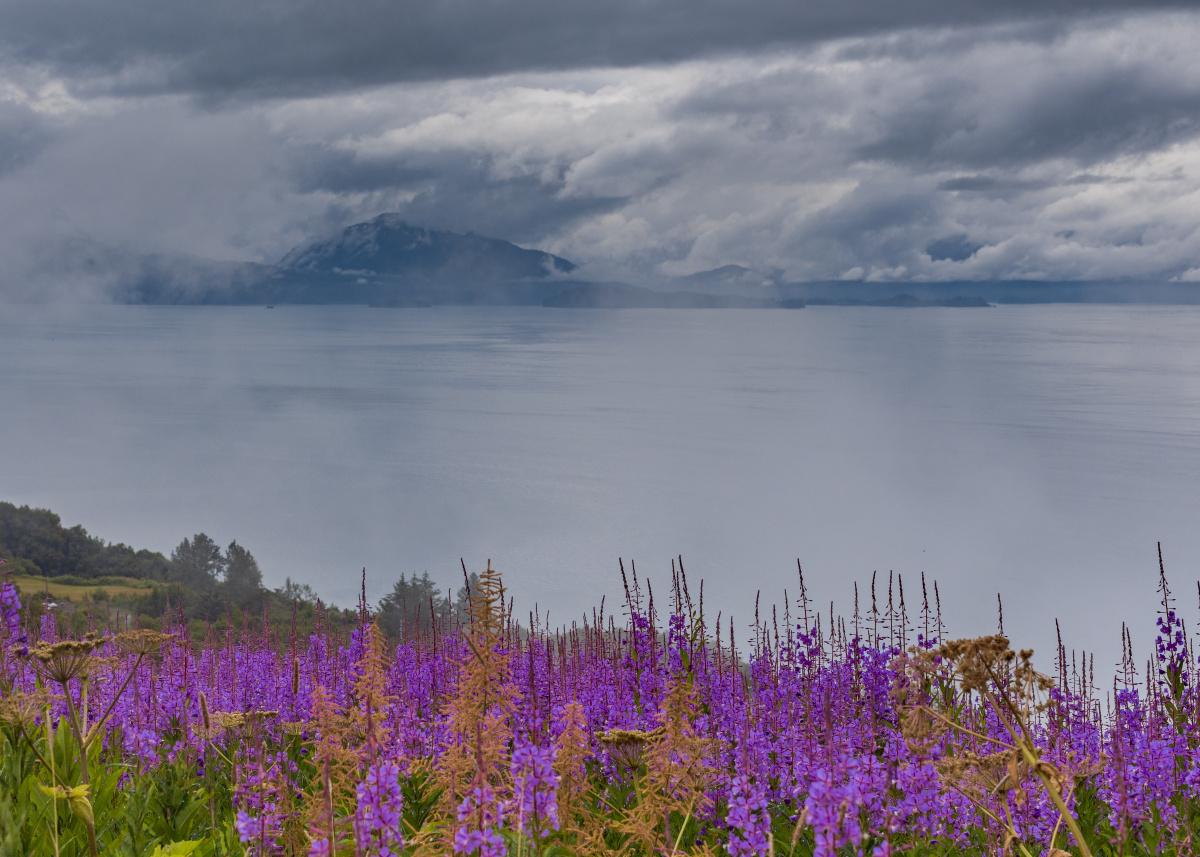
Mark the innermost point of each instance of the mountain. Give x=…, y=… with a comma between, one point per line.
x=383, y=261
x=387, y=262
x=387, y=247
x=729, y=280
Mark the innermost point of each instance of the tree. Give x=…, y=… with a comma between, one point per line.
x=301, y=592
x=243, y=578
x=196, y=563
x=37, y=543
x=412, y=605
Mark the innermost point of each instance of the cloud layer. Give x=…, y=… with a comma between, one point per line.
x=229, y=48
x=952, y=147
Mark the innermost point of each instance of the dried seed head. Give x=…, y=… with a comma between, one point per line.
x=67, y=659
x=142, y=641
x=219, y=721
x=214, y=723
x=23, y=709
x=628, y=745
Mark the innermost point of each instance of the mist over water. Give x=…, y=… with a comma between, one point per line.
x=1038, y=452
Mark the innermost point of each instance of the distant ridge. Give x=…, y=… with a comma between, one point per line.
x=729, y=280
x=904, y=300
x=387, y=262
x=620, y=296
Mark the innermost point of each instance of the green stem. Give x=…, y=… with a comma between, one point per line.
x=53, y=777
x=42, y=759
x=77, y=733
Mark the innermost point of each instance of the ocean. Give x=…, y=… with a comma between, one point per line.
x=1035, y=452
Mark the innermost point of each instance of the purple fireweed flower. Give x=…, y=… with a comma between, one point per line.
x=10, y=606
x=919, y=783
x=49, y=627
x=535, y=789
x=749, y=823
x=487, y=842
x=251, y=828
x=142, y=743
x=1171, y=649
x=1144, y=773
x=378, y=821
x=841, y=798
x=259, y=820
x=480, y=802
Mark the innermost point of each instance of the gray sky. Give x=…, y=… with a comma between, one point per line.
x=640, y=138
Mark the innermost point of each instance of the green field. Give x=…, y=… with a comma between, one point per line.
x=76, y=590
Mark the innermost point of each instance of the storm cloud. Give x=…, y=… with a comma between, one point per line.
x=641, y=140
x=298, y=46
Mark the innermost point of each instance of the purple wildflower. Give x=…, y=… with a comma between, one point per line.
x=919, y=783
x=10, y=606
x=536, y=789
x=249, y=828
x=842, y=803
x=142, y=743
x=320, y=848
x=377, y=822
x=481, y=802
x=749, y=823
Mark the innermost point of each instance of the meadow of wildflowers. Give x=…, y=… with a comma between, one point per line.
x=662, y=735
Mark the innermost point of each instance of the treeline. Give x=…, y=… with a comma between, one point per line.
x=209, y=585
x=203, y=581
x=34, y=541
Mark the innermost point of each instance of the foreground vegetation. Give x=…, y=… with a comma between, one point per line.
x=816, y=736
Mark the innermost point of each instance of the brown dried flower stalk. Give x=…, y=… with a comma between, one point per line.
x=1013, y=690
x=480, y=705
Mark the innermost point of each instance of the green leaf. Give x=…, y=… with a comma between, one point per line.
x=175, y=849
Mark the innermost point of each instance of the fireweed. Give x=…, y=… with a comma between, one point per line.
x=666, y=733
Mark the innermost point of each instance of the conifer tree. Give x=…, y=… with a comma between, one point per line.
x=243, y=578
x=196, y=563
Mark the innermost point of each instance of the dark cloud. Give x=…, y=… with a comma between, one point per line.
x=954, y=248
x=456, y=191
x=989, y=184
x=1064, y=148
x=1093, y=108
x=232, y=47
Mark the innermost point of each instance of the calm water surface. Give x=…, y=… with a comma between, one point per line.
x=1039, y=452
